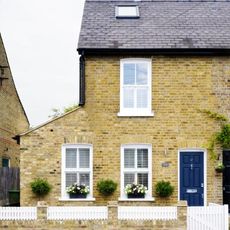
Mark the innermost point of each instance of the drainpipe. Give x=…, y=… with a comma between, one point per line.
x=82, y=80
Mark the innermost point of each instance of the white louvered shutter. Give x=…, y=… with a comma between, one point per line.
x=71, y=158
x=142, y=158
x=84, y=158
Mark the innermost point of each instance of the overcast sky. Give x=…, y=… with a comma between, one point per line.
x=40, y=37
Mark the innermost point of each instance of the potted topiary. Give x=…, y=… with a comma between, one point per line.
x=40, y=187
x=219, y=167
x=135, y=190
x=106, y=187
x=77, y=191
x=164, y=188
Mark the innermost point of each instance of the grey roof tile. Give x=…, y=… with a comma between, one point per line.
x=162, y=24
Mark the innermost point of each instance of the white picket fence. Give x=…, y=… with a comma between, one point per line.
x=18, y=213
x=147, y=213
x=77, y=213
x=212, y=217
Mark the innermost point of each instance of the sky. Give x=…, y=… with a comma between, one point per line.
x=40, y=38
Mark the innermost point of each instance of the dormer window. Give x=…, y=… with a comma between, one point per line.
x=127, y=12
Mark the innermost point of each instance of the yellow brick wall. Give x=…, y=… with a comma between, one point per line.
x=180, y=87
x=12, y=117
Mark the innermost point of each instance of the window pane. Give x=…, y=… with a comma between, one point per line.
x=142, y=178
x=127, y=11
x=84, y=178
x=129, y=178
x=141, y=74
x=129, y=74
x=83, y=158
x=70, y=178
x=5, y=162
x=71, y=158
x=129, y=158
x=142, y=158
x=128, y=98
x=142, y=98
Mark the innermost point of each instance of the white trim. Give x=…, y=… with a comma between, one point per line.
x=67, y=199
x=64, y=195
x=124, y=114
x=140, y=112
x=148, y=196
x=145, y=199
x=205, y=169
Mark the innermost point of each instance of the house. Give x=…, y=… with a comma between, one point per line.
x=148, y=71
x=13, y=117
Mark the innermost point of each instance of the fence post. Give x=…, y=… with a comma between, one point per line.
x=113, y=212
x=226, y=220
x=41, y=210
x=182, y=213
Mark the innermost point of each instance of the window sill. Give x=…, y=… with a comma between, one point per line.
x=68, y=199
x=137, y=199
x=122, y=114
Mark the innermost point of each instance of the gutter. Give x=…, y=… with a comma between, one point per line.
x=167, y=52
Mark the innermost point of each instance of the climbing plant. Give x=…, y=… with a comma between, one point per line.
x=221, y=137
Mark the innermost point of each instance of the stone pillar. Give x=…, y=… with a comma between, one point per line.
x=182, y=214
x=42, y=210
x=113, y=213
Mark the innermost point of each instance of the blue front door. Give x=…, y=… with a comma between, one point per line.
x=192, y=178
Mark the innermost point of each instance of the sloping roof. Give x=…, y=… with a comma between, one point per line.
x=6, y=63
x=48, y=122
x=162, y=25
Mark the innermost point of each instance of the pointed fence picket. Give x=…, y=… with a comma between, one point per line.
x=210, y=217
x=77, y=213
x=146, y=213
x=18, y=213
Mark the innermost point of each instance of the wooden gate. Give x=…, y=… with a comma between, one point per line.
x=9, y=180
x=210, y=217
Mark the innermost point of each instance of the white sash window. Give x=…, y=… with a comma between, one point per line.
x=135, y=87
x=76, y=166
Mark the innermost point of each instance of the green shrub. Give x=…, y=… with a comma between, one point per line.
x=164, y=188
x=40, y=187
x=106, y=187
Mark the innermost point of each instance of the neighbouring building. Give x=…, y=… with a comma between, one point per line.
x=148, y=70
x=13, y=119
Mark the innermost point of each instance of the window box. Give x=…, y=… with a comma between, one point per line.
x=136, y=196
x=77, y=196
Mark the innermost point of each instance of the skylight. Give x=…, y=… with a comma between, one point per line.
x=127, y=12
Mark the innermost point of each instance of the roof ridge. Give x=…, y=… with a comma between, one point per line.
x=136, y=1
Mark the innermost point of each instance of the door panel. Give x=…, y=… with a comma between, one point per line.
x=226, y=178
x=192, y=178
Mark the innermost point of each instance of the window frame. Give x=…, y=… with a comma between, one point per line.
x=137, y=14
x=148, y=195
x=8, y=162
x=136, y=111
x=64, y=194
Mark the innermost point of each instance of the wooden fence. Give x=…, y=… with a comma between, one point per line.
x=9, y=180
x=18, y=213
x=77, y=213
x=147, y=213
x=114, y=216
